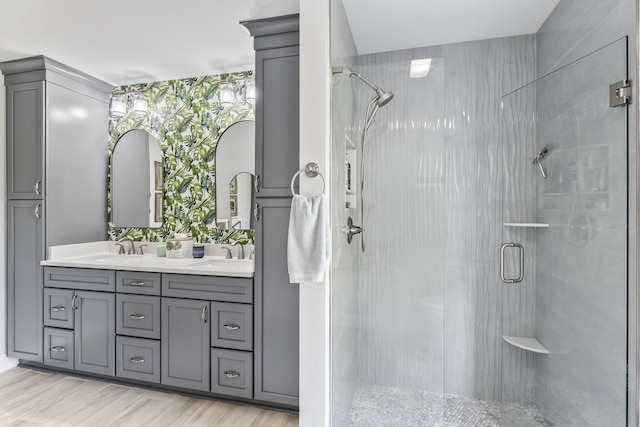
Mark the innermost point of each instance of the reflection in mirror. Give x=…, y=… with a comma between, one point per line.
x=235, y=165
x=137, y=181
x=240, y=201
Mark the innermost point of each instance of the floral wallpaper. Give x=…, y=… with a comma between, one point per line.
x=187, y=118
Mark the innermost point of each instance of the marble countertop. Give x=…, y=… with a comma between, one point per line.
x=104, y=255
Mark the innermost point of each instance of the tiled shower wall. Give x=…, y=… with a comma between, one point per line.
x=429, y=294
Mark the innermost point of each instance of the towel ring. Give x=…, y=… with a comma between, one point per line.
x=311, y=170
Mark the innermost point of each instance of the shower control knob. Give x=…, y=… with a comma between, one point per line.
x=351, y=229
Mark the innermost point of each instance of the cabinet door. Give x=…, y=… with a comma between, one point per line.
x=276, y=308
x=95, y=333
x=24, y=273
x=185, y=343
x=277, y=113
x=25, y=140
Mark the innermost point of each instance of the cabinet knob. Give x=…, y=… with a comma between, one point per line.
x=136, y=360
x=231, y=327
x=232, y=374
x=58, y=308
x=137, y=316
x=57, y=348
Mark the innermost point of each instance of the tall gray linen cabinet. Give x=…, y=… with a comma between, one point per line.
x=276, y=301
x=57, y=161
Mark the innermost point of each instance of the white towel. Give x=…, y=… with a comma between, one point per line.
x=309, y=243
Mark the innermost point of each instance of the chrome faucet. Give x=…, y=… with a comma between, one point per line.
x=228, y=252
x=132, y=247
x=240, y=250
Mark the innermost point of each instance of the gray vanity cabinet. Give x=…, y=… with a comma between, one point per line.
x=43, y=127
x=276, y=301
x=185, y=343
x=24, y=293
x=95, y=333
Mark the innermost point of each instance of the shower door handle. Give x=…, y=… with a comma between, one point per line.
x=520, y=277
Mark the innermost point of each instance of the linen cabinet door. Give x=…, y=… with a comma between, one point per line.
x=25, y=229
x=276, y=309
x=95, y=332
x=25, y=140
x=185, y=343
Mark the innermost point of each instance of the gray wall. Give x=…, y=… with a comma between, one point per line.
x=429, y=297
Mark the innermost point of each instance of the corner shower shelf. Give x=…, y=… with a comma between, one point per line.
x=526, y=224
x=529, y=344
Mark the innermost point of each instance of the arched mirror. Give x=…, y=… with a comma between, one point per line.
x=235, y=167
x=137, y=181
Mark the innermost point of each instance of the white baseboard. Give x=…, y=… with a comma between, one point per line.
x=7, y=363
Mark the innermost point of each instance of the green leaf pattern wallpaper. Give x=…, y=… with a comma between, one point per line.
x=187, y=118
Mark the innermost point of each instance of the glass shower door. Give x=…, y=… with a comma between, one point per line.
x=564, y=258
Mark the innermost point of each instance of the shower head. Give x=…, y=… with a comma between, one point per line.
x=383, y=97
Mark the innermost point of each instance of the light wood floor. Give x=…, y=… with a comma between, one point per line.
x=32, y=398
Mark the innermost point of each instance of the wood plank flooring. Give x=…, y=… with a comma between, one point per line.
x=32, y=398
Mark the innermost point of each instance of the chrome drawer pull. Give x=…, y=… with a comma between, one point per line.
x=58, y=308
x=58, y=348
x=137, y=360
x=137, y=316
x=231, y=327
x=204, y=314
x=232, y=374
x=36, y=188
x=136, y=284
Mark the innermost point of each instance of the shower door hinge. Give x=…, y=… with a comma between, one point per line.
x=620, y=93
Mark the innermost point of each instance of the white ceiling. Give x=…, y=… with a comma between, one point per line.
x=381, y=26
x=130, y=41
x=136, y=41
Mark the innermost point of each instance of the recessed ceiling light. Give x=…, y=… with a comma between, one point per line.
x=420, y=68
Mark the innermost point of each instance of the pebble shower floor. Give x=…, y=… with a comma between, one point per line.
x=376, y=406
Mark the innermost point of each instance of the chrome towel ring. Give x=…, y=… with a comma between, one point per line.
x=311, y=170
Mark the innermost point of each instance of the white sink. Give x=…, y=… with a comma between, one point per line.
x=223, y=264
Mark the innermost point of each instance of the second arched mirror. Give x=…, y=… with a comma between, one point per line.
x=235, y=169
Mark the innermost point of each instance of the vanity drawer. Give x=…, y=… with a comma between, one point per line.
x=57, y=308
x=134, y=282
x=138, y=359
x=214, y=288
x=80, y=278
x=232, y=373
x=232, y=325
x=138, y=315
x=58, y=348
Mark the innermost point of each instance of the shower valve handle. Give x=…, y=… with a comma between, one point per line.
x=350, y=230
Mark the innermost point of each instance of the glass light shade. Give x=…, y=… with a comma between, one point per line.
x=118, y=104
x=227, y=95
x=140, y=103
x=250, y=92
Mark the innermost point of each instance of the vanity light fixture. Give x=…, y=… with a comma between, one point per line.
x=118, y=104
x=227, y=94
x=241, y=90
x=140, y=103
x=250, y=92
